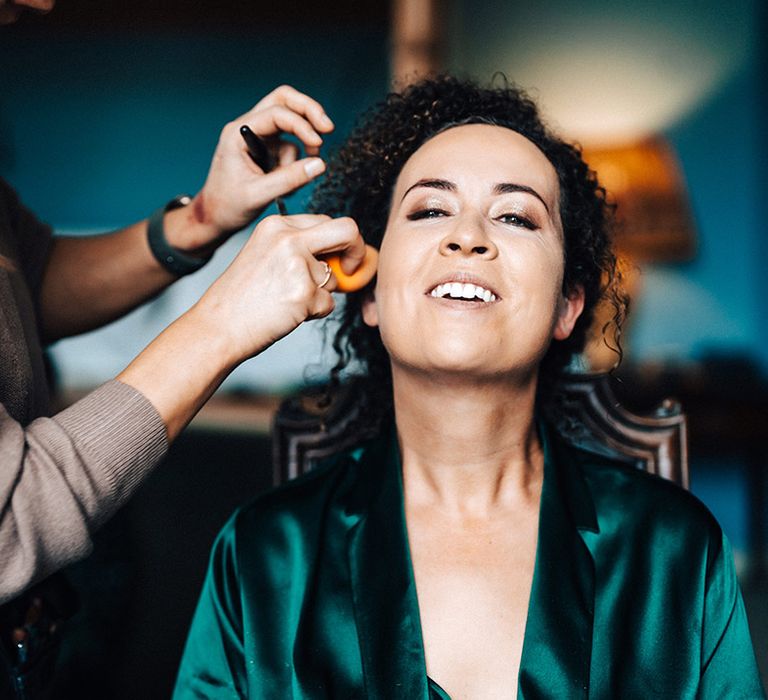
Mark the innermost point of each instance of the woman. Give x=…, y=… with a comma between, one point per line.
x=465, y=552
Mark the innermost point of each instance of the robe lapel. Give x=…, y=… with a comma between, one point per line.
x=558, y=637
x=383, y=588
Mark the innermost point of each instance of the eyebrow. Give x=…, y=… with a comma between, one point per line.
x=436, y=184
x=505, y=187
x=500, y=188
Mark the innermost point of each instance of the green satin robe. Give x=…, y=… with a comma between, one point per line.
x=310, y=592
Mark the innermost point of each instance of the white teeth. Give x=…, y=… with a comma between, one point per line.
x=457, y=290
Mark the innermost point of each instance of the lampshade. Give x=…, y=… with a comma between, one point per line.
x=645, y=181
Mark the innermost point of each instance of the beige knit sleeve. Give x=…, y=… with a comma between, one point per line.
x=61, y=477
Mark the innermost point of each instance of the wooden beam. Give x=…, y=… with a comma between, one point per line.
x=417, y=40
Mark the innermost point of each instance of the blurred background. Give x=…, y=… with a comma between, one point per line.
x=107, y=110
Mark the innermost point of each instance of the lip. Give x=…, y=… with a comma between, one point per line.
x=464, y=277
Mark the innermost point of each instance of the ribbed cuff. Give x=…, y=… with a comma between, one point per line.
x=120, y=430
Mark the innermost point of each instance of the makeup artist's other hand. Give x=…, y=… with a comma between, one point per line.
x=276, y=281
x=236, y=190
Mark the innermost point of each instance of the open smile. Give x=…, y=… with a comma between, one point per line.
x=465, y=291
x=463, y=287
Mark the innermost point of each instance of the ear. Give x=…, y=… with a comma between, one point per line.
x=370, y=312
x=571, y=307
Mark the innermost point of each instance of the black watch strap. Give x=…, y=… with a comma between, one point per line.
x=173, y=260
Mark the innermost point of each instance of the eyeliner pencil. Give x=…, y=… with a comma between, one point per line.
x=260, y=155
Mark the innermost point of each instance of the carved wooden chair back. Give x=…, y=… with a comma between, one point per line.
x=307, y=428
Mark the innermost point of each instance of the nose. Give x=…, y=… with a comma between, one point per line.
x=468, y=238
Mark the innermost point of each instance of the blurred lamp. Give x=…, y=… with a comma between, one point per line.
x=654, y=223
x=644, y=180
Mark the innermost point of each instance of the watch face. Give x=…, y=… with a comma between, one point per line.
x=179, y=201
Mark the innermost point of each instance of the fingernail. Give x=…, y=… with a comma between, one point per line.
x=326, y=120
x=314, y=166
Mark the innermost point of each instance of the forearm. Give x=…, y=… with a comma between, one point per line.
x=90, y=281
x=180, y=369
x=63, y=476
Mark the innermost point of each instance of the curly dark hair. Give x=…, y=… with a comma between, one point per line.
x=361, y=178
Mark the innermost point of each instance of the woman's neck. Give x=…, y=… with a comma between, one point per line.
x=467, y=447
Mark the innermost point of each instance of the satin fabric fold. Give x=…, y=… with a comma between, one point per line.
x=558, y=635
x=383, y=586
x=310, y=592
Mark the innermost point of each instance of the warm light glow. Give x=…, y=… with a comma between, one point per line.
x=629, y=86
x=645, y=181
x=606, y=73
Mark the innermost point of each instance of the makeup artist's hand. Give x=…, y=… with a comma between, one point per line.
x=236, y=190
x=276, y=282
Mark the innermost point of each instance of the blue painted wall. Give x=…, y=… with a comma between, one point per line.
x=98, y=131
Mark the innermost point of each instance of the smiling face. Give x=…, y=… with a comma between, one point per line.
x=471, y=264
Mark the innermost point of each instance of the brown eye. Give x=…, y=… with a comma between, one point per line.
x=517, y=220
x=431, y=213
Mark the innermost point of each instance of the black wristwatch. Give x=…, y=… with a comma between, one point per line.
x=173, y=260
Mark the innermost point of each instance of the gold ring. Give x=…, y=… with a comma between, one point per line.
x=327, y=275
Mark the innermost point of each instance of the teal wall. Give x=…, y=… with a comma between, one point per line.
x=98, y=131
